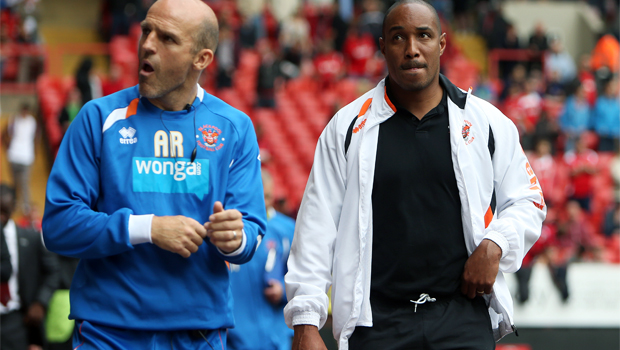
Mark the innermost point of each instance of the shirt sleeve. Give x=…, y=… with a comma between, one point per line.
x=312, y=252
x=245, y=193
x=521, y=206
x=71, y=224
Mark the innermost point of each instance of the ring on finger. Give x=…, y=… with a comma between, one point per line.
x=234, y=235
x=480, y=292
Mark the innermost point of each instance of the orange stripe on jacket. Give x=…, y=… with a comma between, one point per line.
x=133, y=108
x=365, y=107
x=488, y=216
x=387, y=99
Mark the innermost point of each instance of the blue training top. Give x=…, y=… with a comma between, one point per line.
x=123, y=156
x=259, y=325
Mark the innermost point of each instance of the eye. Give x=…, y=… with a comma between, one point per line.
x=425, y=35
x=168, y=38
x=145, y=31
x=398, y=37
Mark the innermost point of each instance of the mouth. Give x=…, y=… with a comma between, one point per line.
x=146, y=68
x=412, y=66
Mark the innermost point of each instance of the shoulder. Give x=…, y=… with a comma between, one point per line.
x=111, y=107
x=236, y=117
x=345, y=116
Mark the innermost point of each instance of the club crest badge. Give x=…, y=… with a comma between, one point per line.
x=467, y=132
x=212, y=139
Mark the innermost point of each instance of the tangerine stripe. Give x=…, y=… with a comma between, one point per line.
x=387, y=99
x=365, y=107
x=133, y=108
x=488, y=216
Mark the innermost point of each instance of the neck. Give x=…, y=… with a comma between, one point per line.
x=418, y=102
x=176, y=100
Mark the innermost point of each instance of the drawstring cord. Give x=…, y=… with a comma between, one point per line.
x=423, y=299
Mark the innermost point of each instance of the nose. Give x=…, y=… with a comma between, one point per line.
x=147, y=43
x=411, y=49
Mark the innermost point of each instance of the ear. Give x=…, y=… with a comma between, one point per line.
x=382, y=45
x=442, y=43
x=203, y=59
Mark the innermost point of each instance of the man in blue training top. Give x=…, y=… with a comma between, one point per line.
x=258, y=286
x=142, y=177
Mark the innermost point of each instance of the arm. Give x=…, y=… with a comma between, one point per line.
x=71, y=224
x=521, y=207
x=244, y=204
x=311, y=258
x=519, y=214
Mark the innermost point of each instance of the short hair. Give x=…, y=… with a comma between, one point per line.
x=404, y=2
x=206, y=37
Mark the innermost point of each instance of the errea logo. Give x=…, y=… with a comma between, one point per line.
x=128, y=134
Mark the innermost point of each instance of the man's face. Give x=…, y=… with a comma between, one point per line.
x=6, y=207
x=165, y=50
x=412, y=45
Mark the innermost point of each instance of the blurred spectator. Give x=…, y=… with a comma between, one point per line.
x=371, y=20
x=549, y=173
x=494, y=26
x=19, y=138
x=559, y=61
x=586, y=78
x=31, y=285
x=614, y=169
x=530, y=104
x=295, y=38
x=582, y=164
x=249, y=31
x=611, y=225
x=605, y=120
x=258, y=286
x=547, y=129
x=71, y=109
x=114, y=82
x=87, y=81
x=606, y=54
x=269, y=76
x=226, y=55
x=339, y=27
x=358, y=50
x=538, y=43
x=510, y=41
x=575, y=119
x=329, y=64
x=574, y=239
x=536, y=253
x=515, y=84
x=538, y=40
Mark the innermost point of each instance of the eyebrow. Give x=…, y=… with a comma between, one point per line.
x=424, y=28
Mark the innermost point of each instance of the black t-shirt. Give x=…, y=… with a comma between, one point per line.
x=418, y=242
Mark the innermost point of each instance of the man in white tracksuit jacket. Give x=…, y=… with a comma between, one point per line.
x=501, y=202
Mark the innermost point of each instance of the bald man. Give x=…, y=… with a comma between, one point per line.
x=156, y=189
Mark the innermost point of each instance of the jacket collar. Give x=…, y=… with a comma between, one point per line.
x=385, y=108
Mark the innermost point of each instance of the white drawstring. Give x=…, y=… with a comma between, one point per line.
x=423, y=299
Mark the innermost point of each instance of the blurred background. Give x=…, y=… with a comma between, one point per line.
x=550, y=66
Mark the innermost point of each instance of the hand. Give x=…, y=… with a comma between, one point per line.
x=307, y=337
x=481, y=269
x=35, y=315
x=178, y=234
x=222, y=226
x=274, y=292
